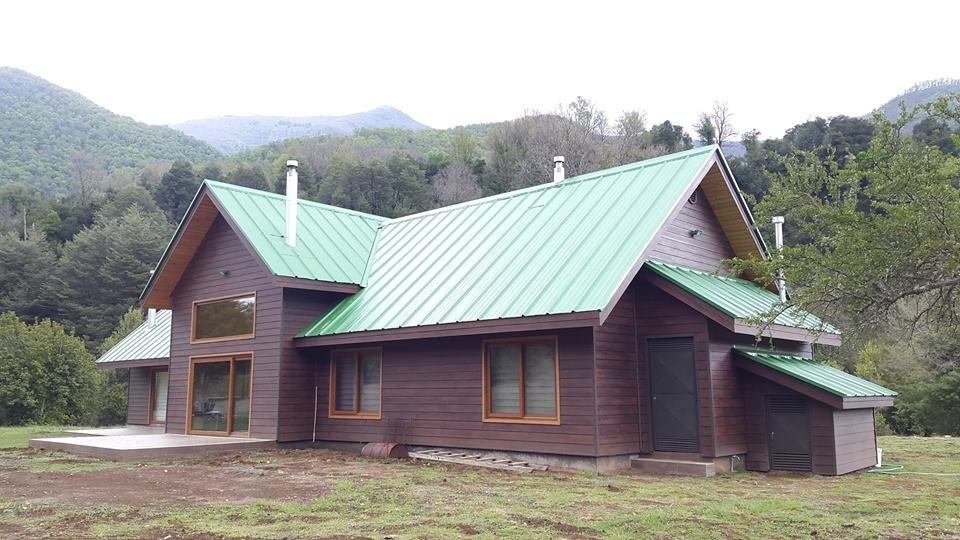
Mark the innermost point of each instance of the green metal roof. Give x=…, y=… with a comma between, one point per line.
x=554, y=248
x=145, y=343
x=738, y=298
x=819, y=375
x=333, y=244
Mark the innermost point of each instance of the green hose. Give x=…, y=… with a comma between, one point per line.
x=898, y=469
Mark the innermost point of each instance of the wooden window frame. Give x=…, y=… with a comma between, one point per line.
x=209, y=359
x=356, y=413
x=193, y=318
x=153, y=393
x=521, y=417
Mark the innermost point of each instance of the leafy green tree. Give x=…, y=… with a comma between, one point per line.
x=932, y=131
x=116, y=203
x=706, y=133
x=112, y=396
x=248, y=176
x=176, y=190
x=129, y=321
x=46, y=374
x=210, y=171
x=104, y=267
x=670, y=137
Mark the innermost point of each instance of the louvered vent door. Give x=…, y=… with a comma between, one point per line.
x=788, y=430
x=673, y=388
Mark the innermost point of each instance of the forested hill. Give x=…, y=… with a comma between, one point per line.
x=53, y=139
x=231, y=134
x=919, y=94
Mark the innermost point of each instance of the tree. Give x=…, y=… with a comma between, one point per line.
x=631, y=131
x=104, y=267
x=116, y=203
x=211, y=171
x=705, y=130
x=248, y=176
x=883, y=247
x=720, y=118
x=308, y=185
x=455, y=183
x=176, y=190
x=935, y=132
x=25, y=266
x=46, y=374
x=671, y=137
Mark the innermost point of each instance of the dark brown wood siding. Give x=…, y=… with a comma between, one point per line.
x=840, y=442
x=432, y=396
x=855, y=438
x=298, y=371
x=703, y=252
x=615, y=348
x=223, y=266
x=730, y=427
x=138, y=396
x=660, y=315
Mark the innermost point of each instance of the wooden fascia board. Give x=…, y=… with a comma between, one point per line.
x=741, y=203
x=772, y=375
x=314, y=285
x=497, y=326
x=146, y=297
x=867, y=402
x=150, y=362
x=779, y=331
x=644, y=254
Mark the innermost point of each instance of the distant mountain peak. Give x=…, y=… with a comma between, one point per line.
x=231, y=134
x=918, y=94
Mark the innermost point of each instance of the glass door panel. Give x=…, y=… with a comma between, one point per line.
x=211, y=393
x=241, y=395
x=161, y=378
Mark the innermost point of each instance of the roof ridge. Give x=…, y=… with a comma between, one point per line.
x=586, y=177
x=307, y=202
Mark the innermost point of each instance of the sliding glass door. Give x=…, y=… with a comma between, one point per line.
x=220, y=395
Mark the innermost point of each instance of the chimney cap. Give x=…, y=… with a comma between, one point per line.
x=292, y=163
x=558, y=159
x=777, y=219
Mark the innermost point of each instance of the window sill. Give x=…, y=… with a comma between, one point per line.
x=355, y=416
x=527, y=420
x=220, y=339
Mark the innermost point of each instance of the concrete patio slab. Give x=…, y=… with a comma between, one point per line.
x=150, y=446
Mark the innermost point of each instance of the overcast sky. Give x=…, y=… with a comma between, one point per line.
x=453, y=63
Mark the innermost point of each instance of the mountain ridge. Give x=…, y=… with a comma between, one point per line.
x=232, y=134
x=50, y=135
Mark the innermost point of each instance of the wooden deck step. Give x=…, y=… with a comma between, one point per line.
x=703, y=469
x=476, y=460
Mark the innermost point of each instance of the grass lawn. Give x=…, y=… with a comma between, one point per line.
x=326, y=494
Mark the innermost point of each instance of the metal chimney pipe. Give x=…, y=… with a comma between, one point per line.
x=151, y=317
x=558, y=173
x=781, y=279
x=291, y=216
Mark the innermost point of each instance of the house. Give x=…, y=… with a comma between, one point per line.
x=582, y=322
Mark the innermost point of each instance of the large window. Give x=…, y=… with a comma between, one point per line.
x=355, y=383
x=220, y=394
x=220, y=319
x=520, y=381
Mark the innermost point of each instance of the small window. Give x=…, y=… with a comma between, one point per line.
x=355, y=383
x=521, y=381
x=224, y=318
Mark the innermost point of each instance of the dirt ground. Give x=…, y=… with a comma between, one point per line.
x=238, y=478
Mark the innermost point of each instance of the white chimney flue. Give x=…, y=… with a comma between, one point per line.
x=151, y=318
x=558, y=172
x=781, y=279
x=291, y=216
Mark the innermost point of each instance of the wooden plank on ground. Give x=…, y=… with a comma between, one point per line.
x=476, y=460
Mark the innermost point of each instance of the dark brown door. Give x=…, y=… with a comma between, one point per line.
x=673, y=388
x=788, y=432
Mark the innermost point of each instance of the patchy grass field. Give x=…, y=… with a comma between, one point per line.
x=325, y=494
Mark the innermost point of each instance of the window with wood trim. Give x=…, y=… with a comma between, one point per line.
x=225, y=318
x=355, y=383
x=521, y=381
